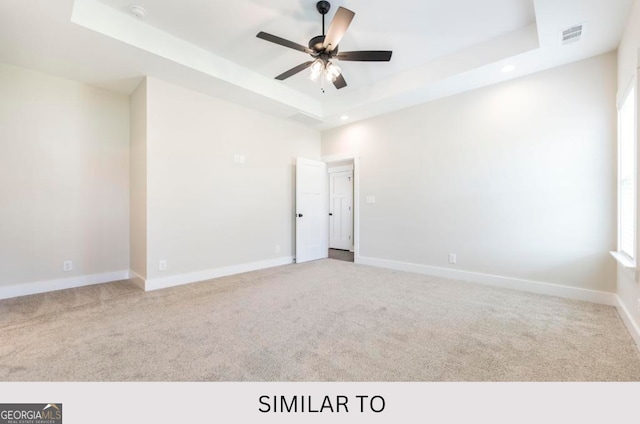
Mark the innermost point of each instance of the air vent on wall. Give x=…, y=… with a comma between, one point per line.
x=572, y=35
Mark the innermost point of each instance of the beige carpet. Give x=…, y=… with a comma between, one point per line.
x=322, y=321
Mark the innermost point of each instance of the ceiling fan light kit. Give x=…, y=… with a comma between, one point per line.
x=323, y=48
x=318, y=67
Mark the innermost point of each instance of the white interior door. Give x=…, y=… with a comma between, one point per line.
x=341, y=209
x=312, y=210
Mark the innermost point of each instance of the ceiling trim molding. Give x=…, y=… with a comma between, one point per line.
x=130, y=30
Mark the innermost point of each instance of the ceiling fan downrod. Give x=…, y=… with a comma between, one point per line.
x=323, y=8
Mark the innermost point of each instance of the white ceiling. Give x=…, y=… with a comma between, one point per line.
x=228, y=29
x=440, y=47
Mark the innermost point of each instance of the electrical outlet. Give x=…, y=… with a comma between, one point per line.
x=162, y=265
x=277, y=248
x=452, y=258
x=67, y=266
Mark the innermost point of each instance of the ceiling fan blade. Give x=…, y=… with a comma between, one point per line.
x=281, y=41
x=366, y=56
x=340, y=82
x=341, y=21
x=291, y=72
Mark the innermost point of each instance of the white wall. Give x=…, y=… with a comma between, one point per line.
x=517, y=179
x=64, y=178
x=204, y=210
x=628, y=289
x=138, y=180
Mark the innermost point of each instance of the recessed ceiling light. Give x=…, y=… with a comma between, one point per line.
x=138, y=11
x=508, y=68
x=344, y=117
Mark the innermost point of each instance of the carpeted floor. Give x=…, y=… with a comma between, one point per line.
x=321, y=321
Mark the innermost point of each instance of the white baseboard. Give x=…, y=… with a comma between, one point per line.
x=628, y=320
x=61, y=284
x=567, y=292
x=192, y=277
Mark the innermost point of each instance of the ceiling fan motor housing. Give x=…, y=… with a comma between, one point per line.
x=317, y=45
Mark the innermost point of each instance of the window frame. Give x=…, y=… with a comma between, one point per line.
x=630, y=93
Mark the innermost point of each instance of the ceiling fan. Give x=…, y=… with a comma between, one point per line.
x=323, y=48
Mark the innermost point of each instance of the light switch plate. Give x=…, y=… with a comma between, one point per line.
x=371, y=200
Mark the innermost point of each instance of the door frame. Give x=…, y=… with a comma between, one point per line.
x=356, y=196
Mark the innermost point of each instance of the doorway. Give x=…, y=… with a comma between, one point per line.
x=341, y=210
x=313, y=211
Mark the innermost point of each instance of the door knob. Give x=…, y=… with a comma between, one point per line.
x=299, y=215
x=330, y=214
